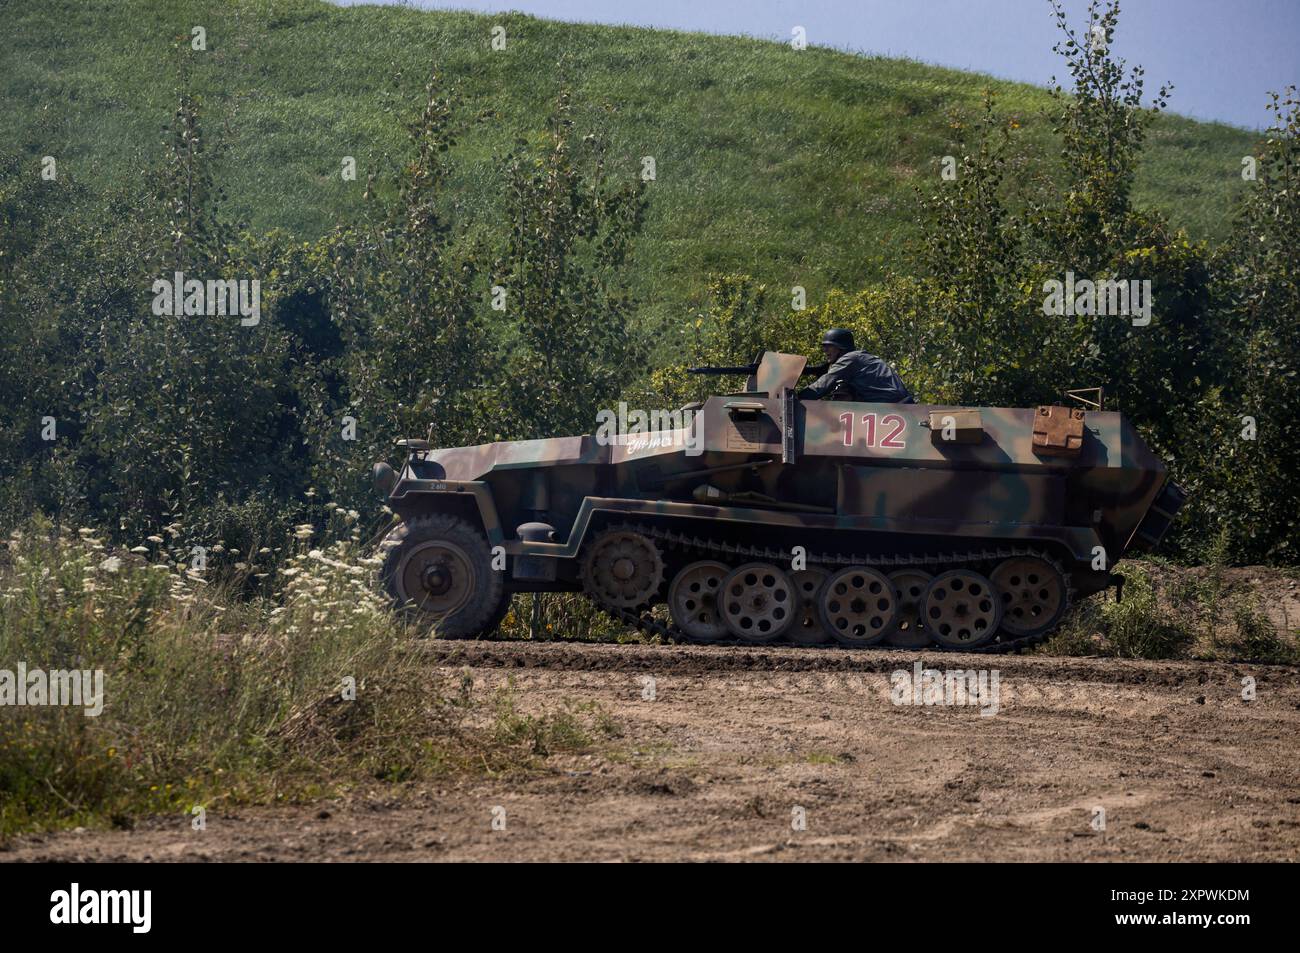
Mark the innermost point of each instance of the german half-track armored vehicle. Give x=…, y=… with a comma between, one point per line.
x=760, y=517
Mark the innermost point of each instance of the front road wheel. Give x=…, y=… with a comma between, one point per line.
x=439, y=569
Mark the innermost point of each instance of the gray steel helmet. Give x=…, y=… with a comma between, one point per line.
x=840, y=338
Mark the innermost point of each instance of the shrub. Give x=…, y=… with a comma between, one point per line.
x=205, y=697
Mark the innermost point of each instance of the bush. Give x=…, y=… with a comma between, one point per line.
x=206, y=697
x=1141, y=626
x=1254, y=638
x=1175, y=612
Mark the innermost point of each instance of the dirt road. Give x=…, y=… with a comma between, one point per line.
x=723, y=752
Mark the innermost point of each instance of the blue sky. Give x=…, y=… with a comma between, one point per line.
x=1222, y=56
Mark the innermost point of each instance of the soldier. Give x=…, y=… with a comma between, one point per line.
x=855, y=375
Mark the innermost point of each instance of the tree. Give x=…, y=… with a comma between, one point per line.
x=1254, y=480
x=407, y=304
x=564, y=276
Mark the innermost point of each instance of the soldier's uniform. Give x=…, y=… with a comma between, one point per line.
x=858, y=375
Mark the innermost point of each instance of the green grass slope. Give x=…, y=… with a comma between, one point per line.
x=794, y=166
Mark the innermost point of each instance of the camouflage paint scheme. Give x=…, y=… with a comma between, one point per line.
x=858, y=478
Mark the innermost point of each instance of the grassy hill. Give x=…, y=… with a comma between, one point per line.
x=794, y=166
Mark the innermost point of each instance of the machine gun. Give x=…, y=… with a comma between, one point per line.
x=770, y=373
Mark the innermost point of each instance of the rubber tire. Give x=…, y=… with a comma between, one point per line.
x=484, y=609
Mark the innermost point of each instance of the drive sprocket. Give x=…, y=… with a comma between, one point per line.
x=622, y=568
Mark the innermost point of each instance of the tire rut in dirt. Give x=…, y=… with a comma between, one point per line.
x=703, y=660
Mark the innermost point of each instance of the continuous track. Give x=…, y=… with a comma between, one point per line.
x=701, y=547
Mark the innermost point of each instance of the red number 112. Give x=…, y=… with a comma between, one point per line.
x=892, y=439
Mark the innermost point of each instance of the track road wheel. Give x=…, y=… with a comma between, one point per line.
x=858, y=606
x=693, y=601
x=909, y=630
x=438, y=568
x=961, y=610
x=623, y=568
x=1033, y=593
x=758, y=602
x=807, y=628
